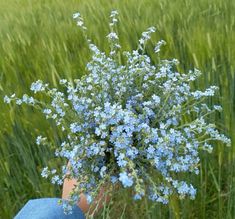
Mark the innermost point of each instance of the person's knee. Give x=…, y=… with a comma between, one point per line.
x=47, y=208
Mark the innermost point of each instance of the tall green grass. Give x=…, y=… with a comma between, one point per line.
x=39, y=40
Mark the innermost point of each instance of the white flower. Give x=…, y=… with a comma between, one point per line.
x=80, y=23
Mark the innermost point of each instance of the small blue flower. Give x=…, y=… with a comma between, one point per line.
x=89, y=198
x=37, y=86
x=7, y=99
x=45, y=172
x=126, y=180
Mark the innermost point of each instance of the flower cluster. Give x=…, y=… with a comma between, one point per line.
x=131, y=122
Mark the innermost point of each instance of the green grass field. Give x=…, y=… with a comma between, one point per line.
x=40, y=40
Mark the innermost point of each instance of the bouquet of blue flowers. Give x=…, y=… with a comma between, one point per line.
x=125, y=122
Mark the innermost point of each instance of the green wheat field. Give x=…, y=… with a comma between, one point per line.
x=40, y=40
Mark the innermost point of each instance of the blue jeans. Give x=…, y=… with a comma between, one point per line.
x=47, y=208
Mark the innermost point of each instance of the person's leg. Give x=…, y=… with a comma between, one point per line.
x=47, y=208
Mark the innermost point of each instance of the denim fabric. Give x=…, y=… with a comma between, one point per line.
x=47, y=208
